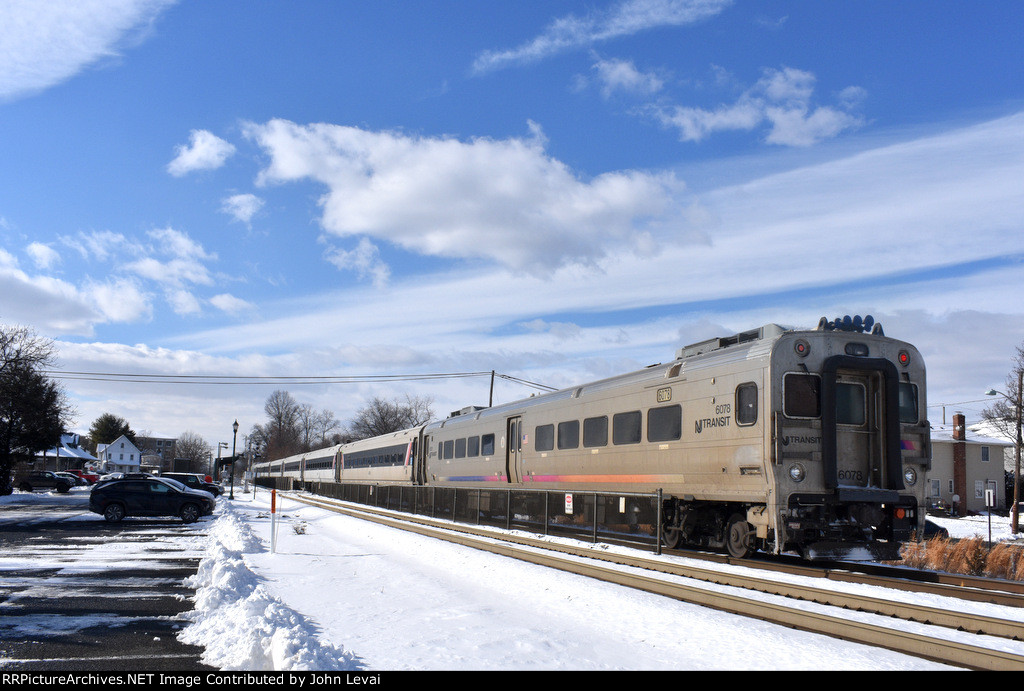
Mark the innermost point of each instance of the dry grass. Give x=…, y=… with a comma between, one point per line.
x=968, y=556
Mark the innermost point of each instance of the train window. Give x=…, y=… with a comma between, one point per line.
x=802, y=394
x=460, y=448
x=746, y=404
x=850, y=404
x=626, y=427
x=473, y=447
x=449, y=449
x=569, y=434
x=544, y=438
x=665, y=424
x=595, y=431
x=487, y=445
x=908, y=402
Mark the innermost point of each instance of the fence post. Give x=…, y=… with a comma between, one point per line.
x=657, y=531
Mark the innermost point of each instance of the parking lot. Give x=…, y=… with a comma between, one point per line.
x=79, y=594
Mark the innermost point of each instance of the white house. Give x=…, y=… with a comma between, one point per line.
x=120, y=456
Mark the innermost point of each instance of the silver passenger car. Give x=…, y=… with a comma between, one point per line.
x=771, y=439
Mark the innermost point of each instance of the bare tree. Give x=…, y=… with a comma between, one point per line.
x=282, y=432
x=381, y=416
x=195, y=449
x=1005, y=416
x=21, y=347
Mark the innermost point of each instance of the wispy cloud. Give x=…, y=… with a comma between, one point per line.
x=623, y=76
x=205, y=151
x=626, y=18
x=46, y=43
x=781, y=101
x=44, y=256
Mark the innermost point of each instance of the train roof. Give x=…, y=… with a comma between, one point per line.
x=745, y=345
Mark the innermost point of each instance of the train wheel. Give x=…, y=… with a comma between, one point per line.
x=739, y=538
x=671, y=537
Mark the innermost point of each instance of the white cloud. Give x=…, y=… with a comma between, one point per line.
x=364, y=260
x=119, y=299
x=205, y=151
x=506, y=201
x=242, y=207
x=230, y=304
x=44, y=256
x=45, y=43
x=781, y=100
x=626, y=18
x=622, y=75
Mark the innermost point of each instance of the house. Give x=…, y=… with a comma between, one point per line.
x=158, y=452
x=964, y=465
x=120, y=456
x=65, y=456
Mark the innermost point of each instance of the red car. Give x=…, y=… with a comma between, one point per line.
x=91, y=478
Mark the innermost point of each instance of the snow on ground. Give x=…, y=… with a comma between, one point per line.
x=376, y=598
x=339, y=593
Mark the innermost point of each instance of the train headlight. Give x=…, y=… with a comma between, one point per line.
x=910, y=476
x=797, y=473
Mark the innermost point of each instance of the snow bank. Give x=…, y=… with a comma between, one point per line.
x=240, y=625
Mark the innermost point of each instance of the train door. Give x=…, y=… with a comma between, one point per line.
x=513, y=448
x=859, y=455
x=860, y=425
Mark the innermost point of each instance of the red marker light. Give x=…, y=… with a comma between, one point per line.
x=904, y=358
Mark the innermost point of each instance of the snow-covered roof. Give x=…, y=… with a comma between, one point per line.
x=944, y=433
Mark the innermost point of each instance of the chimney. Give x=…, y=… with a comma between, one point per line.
x=960, y=462
x=959, y=427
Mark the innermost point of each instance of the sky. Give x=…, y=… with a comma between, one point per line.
x=203, y=202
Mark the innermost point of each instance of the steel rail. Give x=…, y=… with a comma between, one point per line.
x=967, y=621
x=921, y=645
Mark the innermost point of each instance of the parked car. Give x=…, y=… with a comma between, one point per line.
x=90, y=478
x=71, y=477
x=35, y=480
x=195, y=482
x=149, y=496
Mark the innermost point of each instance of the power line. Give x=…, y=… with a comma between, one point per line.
x=247, y=380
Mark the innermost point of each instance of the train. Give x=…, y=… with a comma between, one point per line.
x=775, y=440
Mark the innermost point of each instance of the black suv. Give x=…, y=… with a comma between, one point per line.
x=29, y=482
x=195, y=482
x=152, y=496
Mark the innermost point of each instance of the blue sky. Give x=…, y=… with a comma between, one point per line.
x=558, y=191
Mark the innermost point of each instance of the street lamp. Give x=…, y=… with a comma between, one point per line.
x=234, y=438
x=1016, y=468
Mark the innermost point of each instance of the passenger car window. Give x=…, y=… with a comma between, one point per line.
x=473, y=446
x=626, y=427
x=802, y=395
x=487, y=445
x=746, y=404
x=544, y=438
x=595, y=431
x=908, y=402
x=569, y=434
x=850, y=404
x=460, y=448
x=665, y=424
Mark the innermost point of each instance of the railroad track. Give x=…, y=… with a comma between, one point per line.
x=940, y=632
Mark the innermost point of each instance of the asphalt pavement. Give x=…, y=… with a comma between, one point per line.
x=79, y=594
